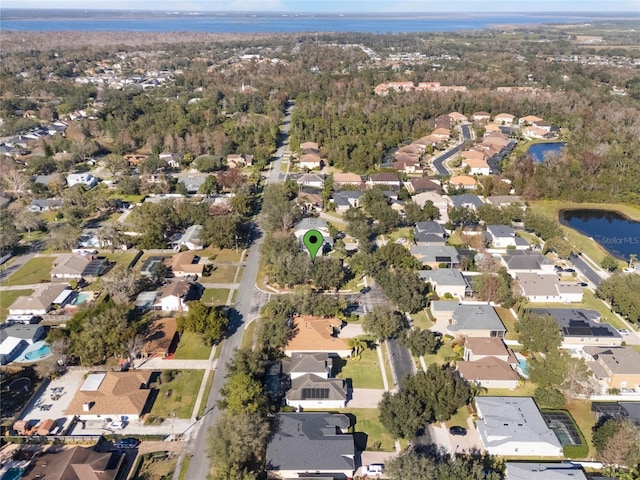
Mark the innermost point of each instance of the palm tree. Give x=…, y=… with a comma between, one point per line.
x=357, y=345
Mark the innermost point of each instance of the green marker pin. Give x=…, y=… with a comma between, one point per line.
x=313, y=240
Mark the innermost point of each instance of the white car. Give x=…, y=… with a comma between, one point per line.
x=373, y=468
x=116, y=425
x=623, y=331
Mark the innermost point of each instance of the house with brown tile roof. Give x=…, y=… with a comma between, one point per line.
x=458, y=117
x=317, y=334
x=186, y=264
x=488, y=372
x=423, y=184
x=617, y=367
x=386, y=179
x=441, y=133
x=481, y=116
x=174, y=297
x=504, y=119
x=111, y=394
x=464, y=181
x=41, y=300
x=160, y=338
x=343, y=179
x=528, y=120
x=310, y=161
x=76, y=463
x=477, y=348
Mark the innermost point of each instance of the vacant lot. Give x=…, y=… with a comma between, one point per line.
x=215, y=296
x=192, y=347
x=177, y=392
x=36, y=270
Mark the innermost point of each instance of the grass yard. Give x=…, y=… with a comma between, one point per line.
x=192, y=347
x=205, y=396
x=215, y=296
x=459, y=418
x=580, y=410
x=225, y=255
x=221, y=274
x=248, y=336
x=178, y=395
x=36, y=270
x=121, y=258
x=378, y=439
x=406, y=233
x=444, y=355
x=7, y=297
x=387, y=365
x=524, y=390
x=364, y=372
x=154, y=466
x=422, y=320
x=509, y=322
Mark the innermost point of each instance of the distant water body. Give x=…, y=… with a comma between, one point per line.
x=149, y=21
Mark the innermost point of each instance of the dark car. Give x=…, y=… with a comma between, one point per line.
x=583, y=284
x=455, y=430
x=127, y=443
x=569, y=270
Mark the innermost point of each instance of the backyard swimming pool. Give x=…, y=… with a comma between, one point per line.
x=13, y=474
x=39, y=353
x=80, y=298
x=523, y=365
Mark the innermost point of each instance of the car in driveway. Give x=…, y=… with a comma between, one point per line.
x=569, y=270
x=374, y=468
x=126, y=443
x=623, y=331
x=458, y=431
x=117, y=425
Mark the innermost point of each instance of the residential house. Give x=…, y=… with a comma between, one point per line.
x=476, y=321
x=410, y=166
x=616, y=367
x=504, y=236
x=346, y=199
x=457, y=117
x=309, y=146
x=477, y=348
x=438, y=201
x=513, y=427
x=76, y=463
x=111, y=394
x=44, y=204
x=429, y=234
x=603, y=411
x=310, y=180
x=10, y=349
x=481, y=117
x=538, y=287
x=308, y=200
x=537, y=132
x=15, y=337
x=388, y=180
x=468, y=200
x=436, y=256
x=496, y=139
x=161, y=338
x=191, y=238
x=442, y=310
x=311, y=391
x=341, y=180
x=446, y=281
x=146, y=300
x=186, y=264
x=171, y=159
x=174, y=297
x=317, y=335
x=528, y=120
x=488, y=372
x=75, y=267
x=422, y=143
x=311, y=161
x=423, y=184
x=542, y=125
x=193, y=181
x=441, y=133
x=49, y=179
x=544, y=471
x=299, y=364
x=312, y=223
x=505, y=200
x=311, y=443
x=85, y=179
x=463, y=181
x=239, y=160
x=135, y=160
x=504, y=119
x=476, y=162
x=522, y=261
x=581, y=327
x=43, y=298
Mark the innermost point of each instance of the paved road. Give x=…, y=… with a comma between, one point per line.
x=401, y=361
x=586, y=269
x=438, y=163
x=244, y=311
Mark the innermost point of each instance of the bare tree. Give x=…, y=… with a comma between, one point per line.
x=579, y=381
x=121, y=284
x=133, y=347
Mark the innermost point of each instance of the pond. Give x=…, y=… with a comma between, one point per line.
x=538, y=150
x=616, y=233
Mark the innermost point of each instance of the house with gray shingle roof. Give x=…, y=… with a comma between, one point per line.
x=544, y=471
x=311, y=391
x=434, y=256
x=523, y=261
x=314, y=442
x=346, y=199
x=504, y=236
x=446, y=280
x=476, y=321
x=466, y=200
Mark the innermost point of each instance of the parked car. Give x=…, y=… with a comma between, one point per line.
x=117, y=425
x=583, y=284
x=569, y=270
x=127, y=443
x=459, y=431
x=623, y=331
x=557, y=268
x=373, y=468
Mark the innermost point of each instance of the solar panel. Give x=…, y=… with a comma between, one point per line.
x=443, y=259
x=315, y=393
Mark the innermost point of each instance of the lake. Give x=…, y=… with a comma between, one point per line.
x=538, y=150
x=617, y=234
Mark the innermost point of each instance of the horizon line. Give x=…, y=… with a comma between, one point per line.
x=338, y=12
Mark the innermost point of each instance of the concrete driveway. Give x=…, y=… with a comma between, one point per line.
x=351, y=330
x=365, y=398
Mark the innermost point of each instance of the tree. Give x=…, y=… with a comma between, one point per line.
x=543, y=227
x=121, y=284
x=538, y=333
x=560, y=246
x=223, y=231
x=549, y=373
x=28, y=221
x=415, y=465
x=242, y=393
x=617, y=442
x=621, y=291
x=210, y=186
x=132, y=347
x=421, y=342
x=383, y=323
x=578, y=380
x=115, y=163
x=111, y=235
x=328, y=273
x=495, y=287
x=609, y=263
x=63, y=237
x=357, y=345
x=211, y=322
x=9, y=237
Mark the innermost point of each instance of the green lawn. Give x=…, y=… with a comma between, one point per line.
x=221, y=274
x=7, y=297
x=509, y=322
x=364, y=372
x=580, y=410
x=205, y=396
x=225, y=255
x=129, y=198
x=524, y=390
x=444, y=355
x=121, y=258
x=422, y=320
x=377, y=437
x=36, y=270
x=405, y=233
x=387, y=365
x=215, y=296
x=459, y=418
x=249, y=335
x=178, y=395
x=192, y=347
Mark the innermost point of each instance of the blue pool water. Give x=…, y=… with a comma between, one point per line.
x=81, y=298
x=41, y=352
x=12, y=474
x=524, y=366
x=538, y=150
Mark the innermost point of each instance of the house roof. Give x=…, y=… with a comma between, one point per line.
x=577, y=322
x=500, y=200
x=179, y=289
x=311, y=223
x=444, y=306
x=507, y=419
x=347, y=178
x=465, y=199
x=476, y=317
x=457, y=116
x=504, y=116
x=501, y=231
x=619, y=360
x=444, y=277
x=544, y=471
x=76, y=463
x=311, y=158
x=70, y=264
x=309, y=178
x=192, y=235
x=424, y=184
x=486, y=346
x=309, y=146
x=306, y=363
x=435, y=254
x=315, y=334
x=118, y=393
x=487, y=368
x=19, y=330
x=313, y=387
x=310, y=441
x=440, y=131
x=41, y=298
x=430, y=227
x=429, y=238
x=385, y=177
x=184, y=262
x=463, y=180
x=523, y=260
x=160, y=334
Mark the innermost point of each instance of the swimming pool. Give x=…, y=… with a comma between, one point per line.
x=43, y=351
x=80, y=298
x=523, y=366
x=13, y=473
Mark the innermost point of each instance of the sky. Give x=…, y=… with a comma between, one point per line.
x=329, y=6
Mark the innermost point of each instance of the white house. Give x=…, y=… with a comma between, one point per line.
x=11, y=347
x=85, y=179
x=191, y=238
x=547, y=288
x=504, y=236
x=174, y=297
x=43, y=298
x=504, y=119
x=312, y=223
x=513, y=426
x=311, y=391
x=446, y=280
